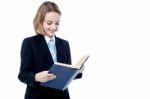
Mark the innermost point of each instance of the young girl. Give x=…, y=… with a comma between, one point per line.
x=38, y=55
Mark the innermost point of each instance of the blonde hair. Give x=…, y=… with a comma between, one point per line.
x=40, y=15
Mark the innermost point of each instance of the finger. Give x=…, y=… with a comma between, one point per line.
x=52, y=77
x=50, y=74
x=46, y=72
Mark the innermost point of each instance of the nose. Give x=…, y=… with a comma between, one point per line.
x=53, y=26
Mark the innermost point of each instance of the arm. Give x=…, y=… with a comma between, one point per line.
x=28, y=73
x=25, y=74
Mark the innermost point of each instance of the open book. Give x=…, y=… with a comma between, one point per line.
x=65, y=73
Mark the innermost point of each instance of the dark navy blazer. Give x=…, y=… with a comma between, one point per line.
x=35, y=57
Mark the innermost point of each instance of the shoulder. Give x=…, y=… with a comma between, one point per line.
x=32, y=41
x=60, y=40
x=32, y=38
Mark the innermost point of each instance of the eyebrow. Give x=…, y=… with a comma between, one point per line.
x=52, y=21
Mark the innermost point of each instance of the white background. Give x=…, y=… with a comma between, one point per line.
x=115, y=33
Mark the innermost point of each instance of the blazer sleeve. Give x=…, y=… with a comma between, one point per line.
x=25, y=75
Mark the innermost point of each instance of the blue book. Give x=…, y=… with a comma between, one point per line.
x=65, y=73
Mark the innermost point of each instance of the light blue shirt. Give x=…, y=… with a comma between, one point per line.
x=52, y=47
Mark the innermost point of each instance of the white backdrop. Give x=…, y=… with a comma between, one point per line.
x=115, y=33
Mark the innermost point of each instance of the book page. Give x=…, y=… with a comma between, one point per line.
x=77, y=65
x=81, y=62
x=66, y=65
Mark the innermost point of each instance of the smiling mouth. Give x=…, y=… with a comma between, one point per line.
x=51, y=30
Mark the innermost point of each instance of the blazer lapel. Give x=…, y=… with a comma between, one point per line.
x=45, y=49
x=61, y=57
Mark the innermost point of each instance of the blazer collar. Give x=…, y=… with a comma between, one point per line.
x=45, y=49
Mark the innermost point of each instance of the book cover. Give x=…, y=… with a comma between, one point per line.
x=64, y=74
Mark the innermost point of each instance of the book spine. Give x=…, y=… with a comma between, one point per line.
x=72, y=78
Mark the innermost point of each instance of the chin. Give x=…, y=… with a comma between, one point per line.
x=51, y=35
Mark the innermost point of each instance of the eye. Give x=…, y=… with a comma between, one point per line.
x=57, y=23
x=49, y=23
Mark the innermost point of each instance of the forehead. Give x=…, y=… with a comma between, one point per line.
x=52, y=16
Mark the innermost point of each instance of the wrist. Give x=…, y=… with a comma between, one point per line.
x=36, y=78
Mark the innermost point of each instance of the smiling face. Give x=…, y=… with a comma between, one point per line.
x=51, y=23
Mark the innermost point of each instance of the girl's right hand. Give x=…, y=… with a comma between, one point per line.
x=44, y=76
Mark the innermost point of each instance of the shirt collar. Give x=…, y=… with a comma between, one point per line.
x=47, y=38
